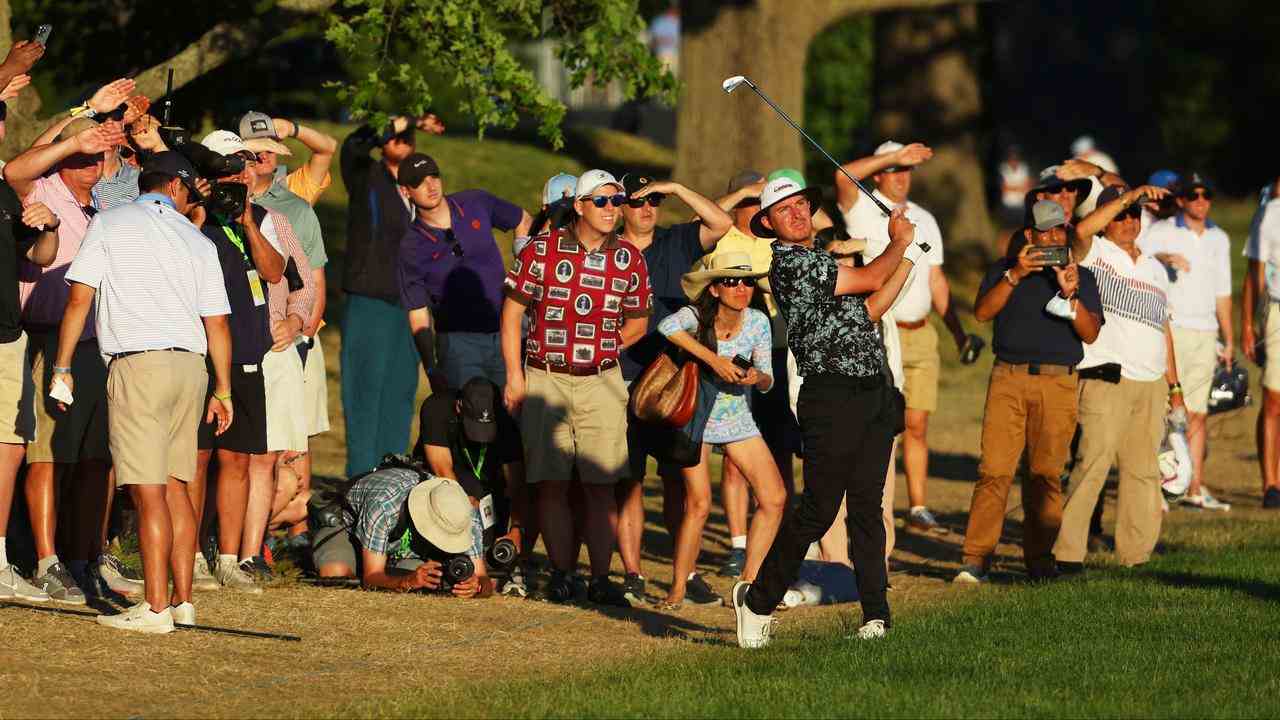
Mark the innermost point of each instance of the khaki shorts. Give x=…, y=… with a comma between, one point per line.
x=155, y=401
x=1271, y=336
x=79, y=432
x=1196, y=353
x=569, y=422
x=286, y=401
x=17, y=394
x=920, y=366
x=315, y=390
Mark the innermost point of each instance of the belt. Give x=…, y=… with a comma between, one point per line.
x=912, y=325
x=120, y=356
x=1038, y=368
x=1107, y=372
x=577, y=370
x=861, y=384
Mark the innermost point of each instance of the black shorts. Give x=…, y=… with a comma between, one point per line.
x=772, y=411
x=248, y=430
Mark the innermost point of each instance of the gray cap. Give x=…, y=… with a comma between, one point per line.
x=743, y=179
x=1048, y=215
x=257, y=125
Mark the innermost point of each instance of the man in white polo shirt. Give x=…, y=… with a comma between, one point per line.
x=1126, y=377
x=1197, y=254
x=161, y=305
x=1263, y=251
x=927, y=289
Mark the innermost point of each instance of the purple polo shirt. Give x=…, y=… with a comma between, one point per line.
x=461, y=282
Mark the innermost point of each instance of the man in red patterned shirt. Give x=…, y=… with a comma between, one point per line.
x=586, y=292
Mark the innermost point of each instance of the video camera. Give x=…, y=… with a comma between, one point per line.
x=227, y=199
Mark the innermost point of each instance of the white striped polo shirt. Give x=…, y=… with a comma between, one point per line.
x=156, y=277
x=1135, y=302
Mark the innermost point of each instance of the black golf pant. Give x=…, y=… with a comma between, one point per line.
x=847, y=425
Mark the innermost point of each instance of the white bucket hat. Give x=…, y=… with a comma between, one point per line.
x=441, y=512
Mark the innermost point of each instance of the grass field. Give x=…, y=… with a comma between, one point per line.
x=1192, y=634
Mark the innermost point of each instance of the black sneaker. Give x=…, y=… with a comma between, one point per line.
x=559, y=587
x=602, y=591
x=1070, y=569
x=733, y=566
x=1271, y=498
x=633, y=589
x=698, y=592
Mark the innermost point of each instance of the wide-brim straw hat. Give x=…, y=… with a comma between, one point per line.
x=719, y=265
x=441, y=512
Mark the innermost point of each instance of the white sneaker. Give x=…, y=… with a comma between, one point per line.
x=110, y=573
x=184, y=614
x=970, y=575
x=15, y=587
x=1206, y=501
x=140, y=618
x=753, y=629
x=201, y=578
x=871, y=630
x=232, y=576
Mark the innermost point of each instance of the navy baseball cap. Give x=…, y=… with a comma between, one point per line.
x=174, y=164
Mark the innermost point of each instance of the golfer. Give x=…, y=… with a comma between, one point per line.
x=848, y=413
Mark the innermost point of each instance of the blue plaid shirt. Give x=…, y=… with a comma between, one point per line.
x=378, y=501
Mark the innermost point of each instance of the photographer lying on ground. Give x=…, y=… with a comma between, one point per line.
x=409, y=526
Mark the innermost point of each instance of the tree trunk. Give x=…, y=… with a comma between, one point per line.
x=927, y=90
x=767, y=40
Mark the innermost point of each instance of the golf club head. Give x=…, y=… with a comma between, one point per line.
x=731, y=83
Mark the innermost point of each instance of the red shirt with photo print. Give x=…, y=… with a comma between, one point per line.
x=578, y=300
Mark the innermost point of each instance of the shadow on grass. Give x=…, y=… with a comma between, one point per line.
x=1257, y=588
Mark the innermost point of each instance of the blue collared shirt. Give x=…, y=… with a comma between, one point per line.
x=157, y=198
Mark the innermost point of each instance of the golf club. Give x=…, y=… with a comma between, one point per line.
x=731, y=83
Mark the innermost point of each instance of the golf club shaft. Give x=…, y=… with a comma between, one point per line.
x=814, y=143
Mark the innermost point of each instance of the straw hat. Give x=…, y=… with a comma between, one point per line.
x=715, y=266
x=441, y=513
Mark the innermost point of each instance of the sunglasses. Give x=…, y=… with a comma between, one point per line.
x=735, y=282
x=602, y=200
x=1198, y=193
x=653, y=200
x=455, y=247
x=1058, y=190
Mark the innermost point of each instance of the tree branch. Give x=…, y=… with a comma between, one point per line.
x=221, y=44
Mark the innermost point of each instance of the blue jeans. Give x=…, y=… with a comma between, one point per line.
x=379, y=381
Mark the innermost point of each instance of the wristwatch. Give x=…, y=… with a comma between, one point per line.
x=1008, y=276
x=83, y=111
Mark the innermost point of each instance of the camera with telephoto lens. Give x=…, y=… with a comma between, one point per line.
x=224, y=198
x=504, y=552
x=454, y=570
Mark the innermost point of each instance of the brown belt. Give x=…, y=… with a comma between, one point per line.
x=576, y=370
x=912, y=325
x=1038, y=368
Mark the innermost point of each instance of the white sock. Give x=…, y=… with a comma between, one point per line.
x=4, y=554
x=227, y=560
x=917, y=508
x=43, y=566
x=690, y=576
x=738, y=542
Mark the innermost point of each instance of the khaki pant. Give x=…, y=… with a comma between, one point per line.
x=1197, y=354
x=570, y=422
x=1119, y=424
x=1038, y=413
x=17, y=394
x=921, y=365
x=155, y=403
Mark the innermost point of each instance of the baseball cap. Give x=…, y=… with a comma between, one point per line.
x=416, y=168
x=776, y=191
x=1082, y=145
x=441, y=512
x=478, y=419
x=77, y=126
x=1109, y=193
x=790, y=173
x=890, y=146
x=1048, y=215
x=592, y=179
x=558, y=186
x=257, y=125
x=224, y=142
x=743, y=179
x=173, y=164
x=632, y=183
x=1163, y=178
x=1193, y=181
x=265, y=144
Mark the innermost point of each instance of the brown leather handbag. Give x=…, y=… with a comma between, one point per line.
x=666, y=394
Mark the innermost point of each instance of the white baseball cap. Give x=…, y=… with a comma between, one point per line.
x=775, y=191
x=560, y=185
x=1082, y=145
x=590, y=180
x=889, y=146
x=224, y=142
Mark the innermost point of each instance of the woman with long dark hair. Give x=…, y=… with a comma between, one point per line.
x=720, y=326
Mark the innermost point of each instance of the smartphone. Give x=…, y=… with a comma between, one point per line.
x=742, y=361
x=1051, y=255
x=42, y=34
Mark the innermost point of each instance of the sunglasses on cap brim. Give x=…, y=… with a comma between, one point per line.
x=601, y=200
x=652, y=199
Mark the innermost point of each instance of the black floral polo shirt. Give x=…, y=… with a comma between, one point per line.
x=827, y=333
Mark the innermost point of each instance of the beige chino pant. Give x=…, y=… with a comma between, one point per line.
x=1120, y=424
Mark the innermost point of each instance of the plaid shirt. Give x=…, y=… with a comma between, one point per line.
x=378, y=501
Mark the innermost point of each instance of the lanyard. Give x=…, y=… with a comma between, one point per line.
x=476, y=468
x=235, y=240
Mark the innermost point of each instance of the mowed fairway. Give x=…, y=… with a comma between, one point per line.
x=1193, y=634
